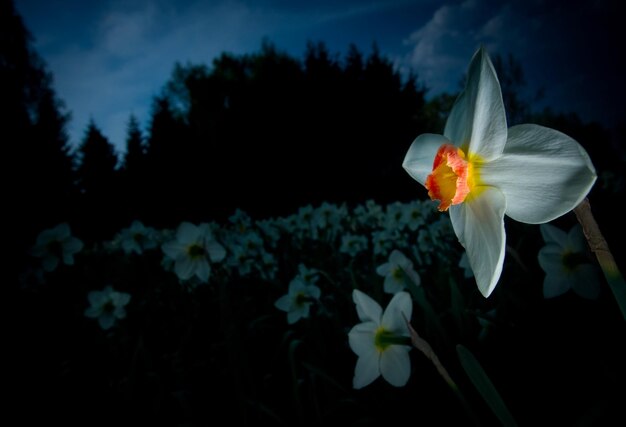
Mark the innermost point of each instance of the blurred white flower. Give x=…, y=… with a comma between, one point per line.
x=56, y=245
x=137, y=238
x=464, y=264
x=564, y=259
x=298, y=300
x=107, y=306
x=192, y=249
x=383, y=241
x=352, y=244
x=381, y=340
x=308, y=275
x=398, y=271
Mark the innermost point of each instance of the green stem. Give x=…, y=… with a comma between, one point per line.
x=423, y=346
x=600, y=247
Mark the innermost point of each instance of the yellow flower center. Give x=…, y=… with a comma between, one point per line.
x=397, y=273
x=453, y=178
x=383, y=338
x=195, y=251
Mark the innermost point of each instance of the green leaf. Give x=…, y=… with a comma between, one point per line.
x=484, y=385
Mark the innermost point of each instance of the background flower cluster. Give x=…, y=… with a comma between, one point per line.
x=250, y=319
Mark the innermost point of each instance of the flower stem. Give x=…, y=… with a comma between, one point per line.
x=600, y=247
x=423, y=346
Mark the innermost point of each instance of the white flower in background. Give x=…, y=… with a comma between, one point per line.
x=270, y=230
x=239, y=259
x=327, y=217
x=192, y=250
x=398, y=271
x=381, y=341
x=352, y=244
x=268, y=266
x=240, y=220
x=564, y=259
x=308, y=275
x=56, y=245
x=298, y=300
x=370, y=214
x=467, y=268
x=413, y=215
x=383, y=241
x=107, y=306
x=395, y=218
x=305, y=227
x=137, y=238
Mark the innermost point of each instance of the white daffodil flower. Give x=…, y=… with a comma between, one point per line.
x=381, y=340
x=298, y=300
x=566, y=264
x=56, y=245
x=480, y=171
x=107, y=306
x=192, y=249
x=397, y=271
x=137, y=238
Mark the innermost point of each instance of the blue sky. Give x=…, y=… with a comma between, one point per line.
x=110, y=58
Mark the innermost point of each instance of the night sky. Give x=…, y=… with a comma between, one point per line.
x=110, y=58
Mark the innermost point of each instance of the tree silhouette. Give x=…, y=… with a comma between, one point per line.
x=35, y=141
x=97, y=183
x=132, y=174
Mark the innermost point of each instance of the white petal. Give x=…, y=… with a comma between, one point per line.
x=72, y=245
x=366, y=308
x=296, y=286
x=216, y=251
x=543, y=174
x=555, y=285
x=552, y=234
x=396, y=257
x=413, y=276
x=313, y=291
x=418, y=161
x=172, y=249
x=383, y=269
x=106, y=321
x=392, y=285
x=479, y=225
x=477, y=117
x=187, y=233
x=119, y=312
x=203, y=270
x=366, y=370
x=294, y=316
x=49, y=262
x=550, y=259
x=62, y=231
x=395, y=365
x=576, y=240
x=283, y=303
x=184, y=268
x=397, y=313
x=93, y=312
x=361, y=338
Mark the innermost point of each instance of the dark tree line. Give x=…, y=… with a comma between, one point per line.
x=264, y=132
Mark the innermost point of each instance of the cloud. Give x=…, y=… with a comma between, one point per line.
x=567, y=48
x=130, y=50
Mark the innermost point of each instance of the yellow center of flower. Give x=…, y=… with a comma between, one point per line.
x=195, y=251
x=383, y=338
x=397, y=273
x=453, y=178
